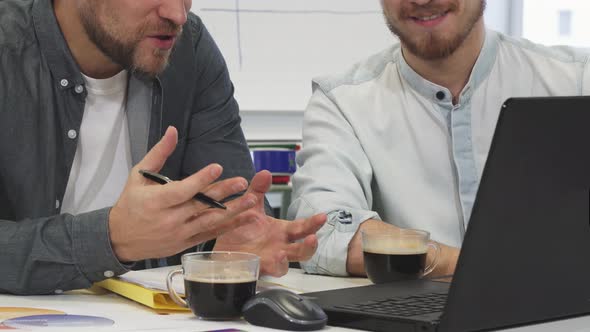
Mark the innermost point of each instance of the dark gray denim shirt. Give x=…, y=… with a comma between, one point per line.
x=42, y=98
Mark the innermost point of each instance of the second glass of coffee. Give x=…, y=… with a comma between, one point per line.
x=216, y=284
x=397, y=254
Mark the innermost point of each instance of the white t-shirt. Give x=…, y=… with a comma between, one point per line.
x=103, y=157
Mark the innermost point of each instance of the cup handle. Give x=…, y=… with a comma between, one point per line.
x=173, y=295
x=432, y=265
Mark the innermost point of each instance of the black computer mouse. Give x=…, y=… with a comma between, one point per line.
x=285, y=310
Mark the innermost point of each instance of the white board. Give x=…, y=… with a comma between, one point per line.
x=273, y=48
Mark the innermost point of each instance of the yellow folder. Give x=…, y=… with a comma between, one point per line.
x=156, y=299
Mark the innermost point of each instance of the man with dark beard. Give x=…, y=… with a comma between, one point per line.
x=87, y=90
x=400, y=140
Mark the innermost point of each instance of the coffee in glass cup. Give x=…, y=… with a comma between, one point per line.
x=397, y=254
x=217, y=284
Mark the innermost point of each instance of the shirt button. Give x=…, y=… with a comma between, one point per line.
x=57, y=204
x=58, y=291
x=72, y=134
x=109, y=274
x=64, y=82
x=440, y=95
x=79, y=89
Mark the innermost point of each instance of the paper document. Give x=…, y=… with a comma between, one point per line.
x=155, y=278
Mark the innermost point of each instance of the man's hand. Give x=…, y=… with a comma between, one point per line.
x=272, y=239
x=355, y=263
x=447, y=262
x=151, y=220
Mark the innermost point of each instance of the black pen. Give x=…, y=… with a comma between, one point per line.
x=161, y=179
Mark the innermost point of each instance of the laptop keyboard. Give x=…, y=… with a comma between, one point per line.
x=414, y=305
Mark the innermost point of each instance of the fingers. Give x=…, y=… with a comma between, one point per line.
x=302, y=251
x=219, y=228
x=178, y=192
x=155, y=158
x=301, y=228
x=217, y=191
x=213, y=222
x=226, y=188
x=260, y=183
x=276, y=264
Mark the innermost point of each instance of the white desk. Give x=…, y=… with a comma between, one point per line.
x=130, y=316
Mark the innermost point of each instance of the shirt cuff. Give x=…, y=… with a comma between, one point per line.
x=334, y=238
x=93, y=252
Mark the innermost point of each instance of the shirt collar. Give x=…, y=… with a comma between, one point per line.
x=480, y=72
x=65, y=70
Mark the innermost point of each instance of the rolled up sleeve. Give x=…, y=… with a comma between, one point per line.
x=333, y=176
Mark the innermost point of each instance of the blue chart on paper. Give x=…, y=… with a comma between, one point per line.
x=57, y=321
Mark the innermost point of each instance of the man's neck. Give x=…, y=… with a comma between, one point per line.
x=453, y=71
x=91, y=60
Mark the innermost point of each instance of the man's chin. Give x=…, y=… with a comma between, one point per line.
x=150, y=67
x=432, y=48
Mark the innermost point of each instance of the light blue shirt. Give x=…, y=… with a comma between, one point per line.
x=381, y=142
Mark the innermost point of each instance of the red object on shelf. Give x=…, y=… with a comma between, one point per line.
x=280, y=179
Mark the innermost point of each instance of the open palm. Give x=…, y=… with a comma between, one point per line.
x=276, y=241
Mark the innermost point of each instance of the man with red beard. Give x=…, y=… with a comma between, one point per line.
x=400, y=140
x=91, y=92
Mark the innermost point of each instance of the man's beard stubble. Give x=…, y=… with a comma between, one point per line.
x=124, y=52
x=433, y=47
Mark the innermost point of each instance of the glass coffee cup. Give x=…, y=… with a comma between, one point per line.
x=217, y=283
x=394, y=255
